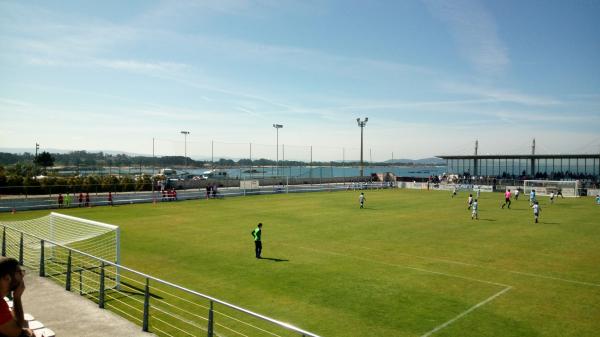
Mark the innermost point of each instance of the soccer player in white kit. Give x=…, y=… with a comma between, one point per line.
x=536, y=211
x=361, y=199
x=474, y=207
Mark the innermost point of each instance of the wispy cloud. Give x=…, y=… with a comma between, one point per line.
x=475, y=32
x=499, y=95
x=144, y=67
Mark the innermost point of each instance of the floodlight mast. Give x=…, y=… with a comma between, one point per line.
x=361, y=124
x=277, y=127
x=185, y=133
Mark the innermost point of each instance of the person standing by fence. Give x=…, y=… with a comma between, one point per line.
x=68, y=200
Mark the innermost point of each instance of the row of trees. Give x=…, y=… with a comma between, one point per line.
x=13, y=184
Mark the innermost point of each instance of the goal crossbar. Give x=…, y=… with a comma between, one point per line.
x=98, y=239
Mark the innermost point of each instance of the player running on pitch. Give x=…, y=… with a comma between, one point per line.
x=470, y=201
x=474, y=212
x=362, y=199
x=532, y=198
x=536, y=211
x=506, y=199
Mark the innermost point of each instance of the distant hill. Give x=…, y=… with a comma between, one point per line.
x=424, y=161
x=20, y=150
x=128, y=157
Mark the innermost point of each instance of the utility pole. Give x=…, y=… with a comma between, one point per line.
x=475, y=161
x=532, y=158
x=37, y=147
x=251, y=160
x=277, y=127
x=185, y=134
x=362, y=125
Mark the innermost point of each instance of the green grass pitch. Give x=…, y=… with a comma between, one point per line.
x=412, y=263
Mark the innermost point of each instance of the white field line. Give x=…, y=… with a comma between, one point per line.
x=466, y=312
x=492, y=269
x=439, y=327
x=407, y=267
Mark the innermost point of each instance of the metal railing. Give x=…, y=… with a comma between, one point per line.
x=159, y=306
x=101, y=199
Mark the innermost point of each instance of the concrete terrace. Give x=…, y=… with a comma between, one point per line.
x=70, y=315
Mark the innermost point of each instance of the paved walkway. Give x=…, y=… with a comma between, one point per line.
x=70, y=315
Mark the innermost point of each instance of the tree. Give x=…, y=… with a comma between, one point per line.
x=45, y=160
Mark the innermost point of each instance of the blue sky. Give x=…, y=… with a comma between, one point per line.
x=432, y=76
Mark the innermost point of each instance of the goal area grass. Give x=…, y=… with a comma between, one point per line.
x=411, y=263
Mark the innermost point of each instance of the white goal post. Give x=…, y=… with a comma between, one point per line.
x=95, y=238
x=568, y=188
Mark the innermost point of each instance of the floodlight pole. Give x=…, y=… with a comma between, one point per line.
x=277, y=127
x=361, y=124
x=37, y=147
x=185, y=133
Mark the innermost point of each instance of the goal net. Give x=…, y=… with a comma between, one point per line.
x=546, y=187
x=97, y=239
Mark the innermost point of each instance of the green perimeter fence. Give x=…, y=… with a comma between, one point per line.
x=158, y=306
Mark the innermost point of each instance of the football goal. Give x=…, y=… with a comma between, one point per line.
x=568, y=188
x=90, y=237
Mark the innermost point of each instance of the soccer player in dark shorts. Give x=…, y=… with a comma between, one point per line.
x=256, y=234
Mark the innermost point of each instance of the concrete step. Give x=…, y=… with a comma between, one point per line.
x=71, y=315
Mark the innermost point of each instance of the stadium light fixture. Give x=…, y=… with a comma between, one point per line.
x=185, y=134
x=277, y=127
x=361, y=124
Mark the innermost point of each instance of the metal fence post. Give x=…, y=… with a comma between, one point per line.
x=42, y=266
x=80, y=281
x=68, y=280
x=3, y=240
x=101, y=294
x=146, y=306
x=21, y=250
x=210, y=320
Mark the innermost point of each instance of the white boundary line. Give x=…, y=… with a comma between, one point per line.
x=406, y=267
x=464, y=313
x=459, y=316
x=492, y=269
